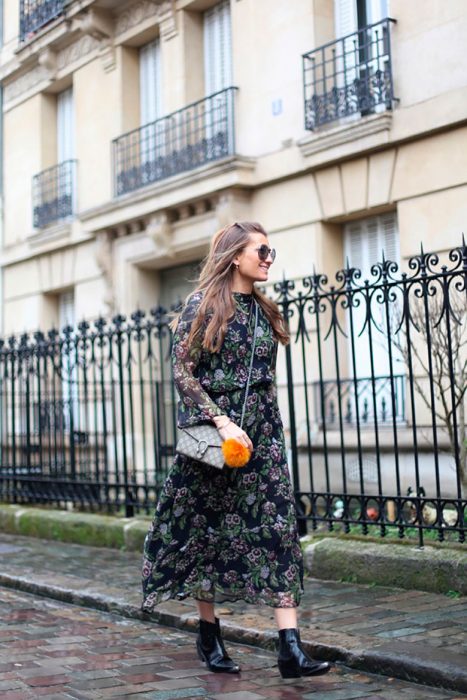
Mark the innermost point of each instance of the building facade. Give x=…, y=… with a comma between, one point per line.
x=134, y=130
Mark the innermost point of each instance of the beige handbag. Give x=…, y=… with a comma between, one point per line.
x=203, y=442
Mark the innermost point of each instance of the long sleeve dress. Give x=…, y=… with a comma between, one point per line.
x=226, y=534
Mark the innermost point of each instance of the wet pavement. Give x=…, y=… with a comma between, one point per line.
x=55, y=650
x=412, y=635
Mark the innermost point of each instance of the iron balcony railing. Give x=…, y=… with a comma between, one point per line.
x=352, y=75
x=35, y=14
x=200, y=133
x=53, y=193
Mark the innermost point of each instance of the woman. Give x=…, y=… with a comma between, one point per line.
x=230, y=534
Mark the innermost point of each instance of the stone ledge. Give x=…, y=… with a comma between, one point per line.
x=79, y=528
x=346, y=133
x=429, y=569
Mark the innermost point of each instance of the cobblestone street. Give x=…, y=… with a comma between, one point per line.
x=56, y=650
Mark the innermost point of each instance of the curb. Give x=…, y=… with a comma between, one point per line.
x=90, y=529
x=389, y=662
x=386, y=564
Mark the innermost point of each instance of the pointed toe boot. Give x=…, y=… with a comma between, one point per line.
x=211, y=648
x=293, y=661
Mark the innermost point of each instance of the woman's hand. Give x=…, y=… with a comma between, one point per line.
x=231, y=430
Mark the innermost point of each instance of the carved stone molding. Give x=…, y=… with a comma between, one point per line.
x=168, y=20
x=104, y=259
x=77, y=51
x=95, y=23
x=48, y=60
x=25, y=82
x=137, y=13
x=232, y=206
x=108, y=58
x=159, y=229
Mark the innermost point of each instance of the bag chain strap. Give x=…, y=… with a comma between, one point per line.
x=253, y=345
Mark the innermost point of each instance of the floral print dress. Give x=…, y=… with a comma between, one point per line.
x=226, y=534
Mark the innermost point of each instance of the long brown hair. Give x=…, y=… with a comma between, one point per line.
x=215, y=284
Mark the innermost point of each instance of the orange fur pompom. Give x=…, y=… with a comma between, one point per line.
x=235, y=454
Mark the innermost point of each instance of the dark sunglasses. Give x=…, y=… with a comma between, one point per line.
x=264, y=252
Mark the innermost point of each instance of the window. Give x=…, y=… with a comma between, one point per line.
x=150, y=82
x=362, y=54
x=365, y=243
x=65, y=179
x=217, y=48
x=65, y=126
x=351, y=15
x=152, y=132
x=175, y=285
x=69, y=369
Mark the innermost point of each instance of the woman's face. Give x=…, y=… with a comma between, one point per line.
x=250, y=266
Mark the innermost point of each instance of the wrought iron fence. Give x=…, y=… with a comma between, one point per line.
x=35, y=14
x=348, y=76
x=401, y=335
x=53, y=193
x=87, y=415
x=200, y=133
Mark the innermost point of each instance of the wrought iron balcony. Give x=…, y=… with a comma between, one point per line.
x=53, y=193
x=349, y=76
x=350, y=401
x=200, y=133
x=35, y=14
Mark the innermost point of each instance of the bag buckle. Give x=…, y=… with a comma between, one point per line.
x=202, y=448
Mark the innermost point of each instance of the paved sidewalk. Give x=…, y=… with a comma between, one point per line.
x=411, y=635
x=57, y=651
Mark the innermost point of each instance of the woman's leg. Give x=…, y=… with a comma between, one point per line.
x=286, y=618
x=206, y=611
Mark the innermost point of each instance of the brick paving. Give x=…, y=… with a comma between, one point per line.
x=410, y=634
x=54, y=650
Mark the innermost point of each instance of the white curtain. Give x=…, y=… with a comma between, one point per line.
x=65, y=126
x=217, y=48
x=365, y=242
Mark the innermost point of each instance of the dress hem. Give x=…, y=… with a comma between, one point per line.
x=221, y=597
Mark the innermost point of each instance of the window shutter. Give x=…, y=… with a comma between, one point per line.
x=66, y=309
x=354, y=245
x=365, y=241
x=217, y=48
x=390, y=238
x=65, y=126
x=345, y=22
x=150, y=82
x=345, y=17
x=376, y=10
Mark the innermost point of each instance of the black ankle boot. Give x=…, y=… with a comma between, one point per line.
x=293, y=660
x=211, y=648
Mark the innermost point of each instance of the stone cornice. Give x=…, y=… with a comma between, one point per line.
x=239, y=171
x=136, y=13
x=324, y=140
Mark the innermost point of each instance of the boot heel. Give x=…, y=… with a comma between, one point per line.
x=289, y=670
x=201, y=654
